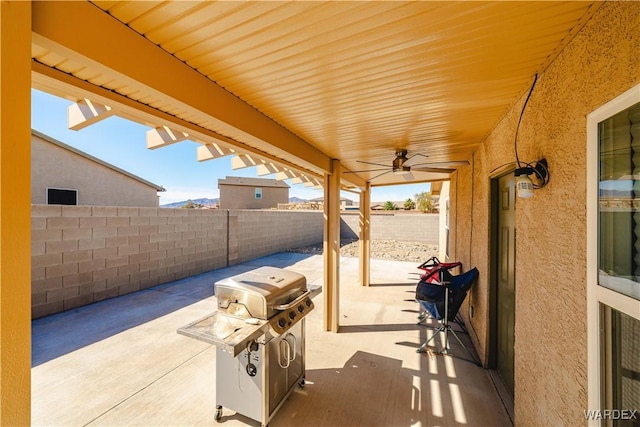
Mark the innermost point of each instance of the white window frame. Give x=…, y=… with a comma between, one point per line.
x=598, y=294
x=258, y=193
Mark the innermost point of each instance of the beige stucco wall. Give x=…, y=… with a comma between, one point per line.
x=244, y=197
x=601, y=62
x=55, y=167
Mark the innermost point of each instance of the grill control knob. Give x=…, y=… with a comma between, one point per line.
x=301, y=308
x=292, y=315
x=282, y=322
x=308, y=302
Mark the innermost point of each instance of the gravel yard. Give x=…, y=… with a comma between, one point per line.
x=381, y=249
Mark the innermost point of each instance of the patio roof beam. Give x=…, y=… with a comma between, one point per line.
x=62, y=84
x=86, y=112
x=133, y=61
x=162, y=136
x=301, y=179
x=242, y=161
x=267, y=169
x=212, y=151
x=285, y=174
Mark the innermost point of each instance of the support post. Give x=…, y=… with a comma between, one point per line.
x=15, y=213
x=332, y=247
x=365, y=235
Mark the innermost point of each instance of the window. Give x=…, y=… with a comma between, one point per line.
x=613, y=262
x=57, y=196
x=621, y=366
x=619, y=202
x=258, y=193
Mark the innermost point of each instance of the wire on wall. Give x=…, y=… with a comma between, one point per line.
x=526, y=101
x=538, y=169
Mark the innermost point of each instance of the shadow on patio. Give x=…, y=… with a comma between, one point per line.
x=121, y=362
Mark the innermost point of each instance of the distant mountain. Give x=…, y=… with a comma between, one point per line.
x=297, y=200
x=616, y=194
x=203, y=201
x=213, y=202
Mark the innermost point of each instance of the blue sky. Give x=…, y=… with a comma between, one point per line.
x=123, y=144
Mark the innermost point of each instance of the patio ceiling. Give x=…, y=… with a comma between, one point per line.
x=299, y=83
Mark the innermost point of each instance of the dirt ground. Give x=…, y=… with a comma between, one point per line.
x=381, y=249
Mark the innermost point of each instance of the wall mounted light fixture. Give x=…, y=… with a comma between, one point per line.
x=525, y=185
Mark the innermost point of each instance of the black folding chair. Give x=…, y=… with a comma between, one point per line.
x=435, y=272
x=445, y=309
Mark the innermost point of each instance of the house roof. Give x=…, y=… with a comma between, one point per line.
x=87, y=156
x=252, y=182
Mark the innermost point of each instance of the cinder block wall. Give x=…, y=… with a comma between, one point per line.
x=253, y=234
x=84, y=254
x=405, y=227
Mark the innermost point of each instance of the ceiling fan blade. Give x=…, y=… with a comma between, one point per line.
x=411, y=161
x=383, y=173
x=443, y=164
x=408, y=176
x=437, y=170
x=371, y=163
x=368, y=170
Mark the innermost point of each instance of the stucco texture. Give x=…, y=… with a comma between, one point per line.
x=53, y=166
x=601, y=62
x=244, y=197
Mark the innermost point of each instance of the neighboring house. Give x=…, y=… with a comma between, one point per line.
x=63, y=175
x=380, y=206
x=252, y=193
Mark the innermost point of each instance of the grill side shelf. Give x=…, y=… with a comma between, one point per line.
x=229, y=333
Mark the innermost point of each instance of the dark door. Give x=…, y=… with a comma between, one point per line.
x=505, y=242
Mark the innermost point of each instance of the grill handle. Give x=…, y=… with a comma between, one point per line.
x=293, y=303
x=293, y=346
x=287, y=353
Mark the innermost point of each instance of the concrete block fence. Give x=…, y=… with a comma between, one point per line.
x=85, y=254
x=253, y=234
x=401, y=226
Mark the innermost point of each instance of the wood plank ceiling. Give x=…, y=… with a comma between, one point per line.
x=355, y=80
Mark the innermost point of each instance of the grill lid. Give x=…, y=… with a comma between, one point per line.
x=259, y=292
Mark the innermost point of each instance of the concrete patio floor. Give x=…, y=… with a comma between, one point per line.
x=120, y=362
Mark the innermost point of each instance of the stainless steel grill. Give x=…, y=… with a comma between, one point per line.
x=259, y=334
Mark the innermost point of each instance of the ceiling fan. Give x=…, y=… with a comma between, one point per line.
x=403, y=165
